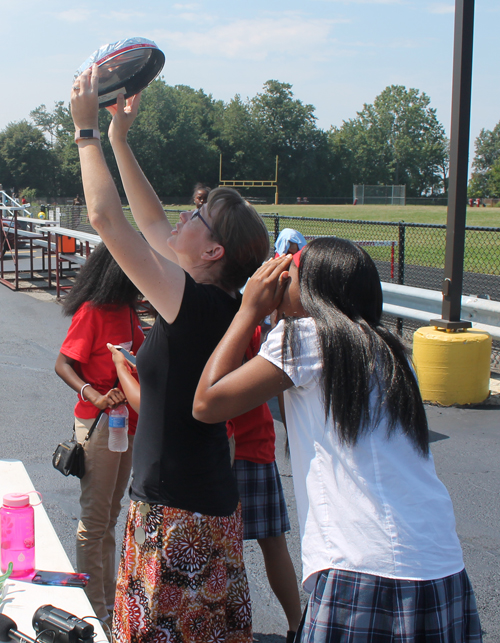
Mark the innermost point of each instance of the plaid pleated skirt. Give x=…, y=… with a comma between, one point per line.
x=348, y=607
x=262, y=500
x=182, y=579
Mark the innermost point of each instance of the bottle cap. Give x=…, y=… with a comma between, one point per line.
x=16, y=500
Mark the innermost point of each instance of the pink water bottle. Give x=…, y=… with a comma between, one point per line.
x=17, y=535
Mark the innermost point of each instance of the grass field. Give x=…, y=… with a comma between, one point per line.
x=423, y=246
x=489, y=217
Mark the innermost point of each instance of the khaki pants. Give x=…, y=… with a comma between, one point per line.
x=102, y=487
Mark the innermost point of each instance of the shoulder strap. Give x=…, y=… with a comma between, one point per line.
x=96, y=421
x=94, y=424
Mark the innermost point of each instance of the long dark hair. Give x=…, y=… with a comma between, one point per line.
x=101, y=282
x=340, y=289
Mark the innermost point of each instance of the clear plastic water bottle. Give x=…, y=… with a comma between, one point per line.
x=118, y=429
x=17, y=535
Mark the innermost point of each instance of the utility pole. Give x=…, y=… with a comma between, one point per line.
x=451, y=358
x=459, y=162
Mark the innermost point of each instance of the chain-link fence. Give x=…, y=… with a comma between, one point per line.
x=405, y=253
x=410, y=253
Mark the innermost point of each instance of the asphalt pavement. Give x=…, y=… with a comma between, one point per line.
x=36, y=410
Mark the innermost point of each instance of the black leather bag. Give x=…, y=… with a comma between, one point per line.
x=69, y=456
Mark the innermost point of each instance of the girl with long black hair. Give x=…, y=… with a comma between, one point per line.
x=381, y=557
x=102, y=305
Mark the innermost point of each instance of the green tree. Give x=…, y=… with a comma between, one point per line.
x=484, y=180
x=26, y=158
x=494, y=179
x=487, y=149
x=58, y=125
x=288, y=129
x=51, y=122
x=173, y=138
x=396, y=140
x=240, y=140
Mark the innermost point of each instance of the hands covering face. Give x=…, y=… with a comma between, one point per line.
x=264, y=290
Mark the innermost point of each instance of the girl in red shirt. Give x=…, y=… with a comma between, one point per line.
x=102, y=303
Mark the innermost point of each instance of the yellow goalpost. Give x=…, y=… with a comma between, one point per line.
x=229, y=183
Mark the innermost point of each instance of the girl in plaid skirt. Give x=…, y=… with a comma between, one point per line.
x=380, y=554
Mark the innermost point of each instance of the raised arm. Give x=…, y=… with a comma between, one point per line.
x=160, y=280
x=146, y=207
x=226, y=388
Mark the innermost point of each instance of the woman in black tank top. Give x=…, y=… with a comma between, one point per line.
x=181, y=573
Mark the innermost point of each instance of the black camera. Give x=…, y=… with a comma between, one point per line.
x=53, y=625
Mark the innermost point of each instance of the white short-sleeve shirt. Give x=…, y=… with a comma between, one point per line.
x=377, y=507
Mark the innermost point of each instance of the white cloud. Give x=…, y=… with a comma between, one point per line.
x=74, y=15
x=256, y=39
x=126, y=16
x=186, y=6
x=189, y=16
x=441, y=8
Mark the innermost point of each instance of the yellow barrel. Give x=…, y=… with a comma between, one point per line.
x=452, y=368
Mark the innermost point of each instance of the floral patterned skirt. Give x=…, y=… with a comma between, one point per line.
x=186, y=582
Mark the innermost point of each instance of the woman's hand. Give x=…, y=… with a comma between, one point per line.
x=124, y=114
x=128, y=382
x=264, y=290
x=119, y=359
x=84, y=100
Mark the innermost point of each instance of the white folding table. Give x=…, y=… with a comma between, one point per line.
x=24, y=598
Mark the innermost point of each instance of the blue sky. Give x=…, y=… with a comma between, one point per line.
x=337, y=54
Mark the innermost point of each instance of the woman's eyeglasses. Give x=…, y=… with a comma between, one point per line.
x=195, y=214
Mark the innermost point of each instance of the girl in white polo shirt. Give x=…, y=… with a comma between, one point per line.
x=380, y=554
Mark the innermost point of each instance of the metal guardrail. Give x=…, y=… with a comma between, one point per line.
x=15, y=206
x=420, y=304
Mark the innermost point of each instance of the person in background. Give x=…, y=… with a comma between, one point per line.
x=200, y=194
x=265, y=516
x=289, y=241
x=380, y=554
x=102, y=304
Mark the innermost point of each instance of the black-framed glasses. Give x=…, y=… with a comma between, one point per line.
x=195, y=214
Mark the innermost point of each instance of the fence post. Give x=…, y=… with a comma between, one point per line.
x=401, y=266
x=276, y=229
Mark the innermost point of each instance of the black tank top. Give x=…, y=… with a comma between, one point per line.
x=178, y=461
